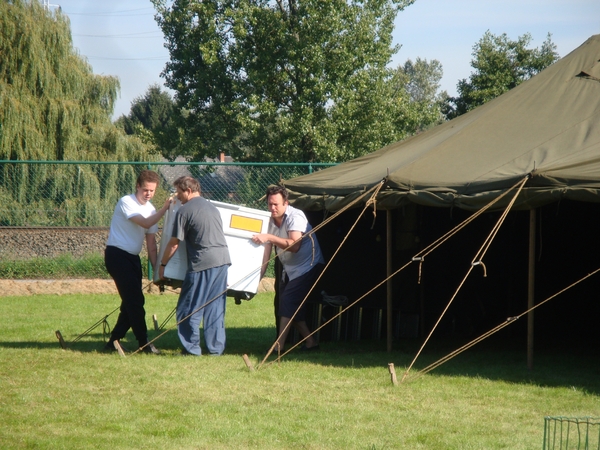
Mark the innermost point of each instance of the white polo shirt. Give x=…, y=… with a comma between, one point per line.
x=309, y=254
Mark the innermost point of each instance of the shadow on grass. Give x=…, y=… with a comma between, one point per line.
x=90, y=342
x=555, y=364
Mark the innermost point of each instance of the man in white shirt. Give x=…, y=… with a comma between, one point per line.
x=302, y=262
x=134, y=220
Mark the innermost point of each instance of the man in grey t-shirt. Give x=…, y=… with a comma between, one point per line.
x=203, y=293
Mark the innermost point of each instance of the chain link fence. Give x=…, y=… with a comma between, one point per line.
x=54, y=216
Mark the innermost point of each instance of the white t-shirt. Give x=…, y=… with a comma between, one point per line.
x=125, y=234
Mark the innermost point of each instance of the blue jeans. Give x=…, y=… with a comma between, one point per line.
x=202, y=300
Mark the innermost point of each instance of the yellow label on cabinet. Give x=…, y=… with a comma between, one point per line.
x=245, y=223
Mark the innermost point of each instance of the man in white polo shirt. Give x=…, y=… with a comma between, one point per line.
x=302, y=262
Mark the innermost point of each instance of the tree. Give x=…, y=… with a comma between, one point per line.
x=153, y=110
x=500, y=65
x=52, y=107
x=421, y=80
x=155, y=118
x=285, y=80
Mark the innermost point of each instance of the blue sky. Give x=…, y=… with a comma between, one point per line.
x=121, y=38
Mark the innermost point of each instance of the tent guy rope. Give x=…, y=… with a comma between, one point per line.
x=507, y=322
x=102, y=321
x=476, y=261
x=420, y=256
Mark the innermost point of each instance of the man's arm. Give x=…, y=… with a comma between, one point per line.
x=147, y=222
x=151, y=246
x=282, y=243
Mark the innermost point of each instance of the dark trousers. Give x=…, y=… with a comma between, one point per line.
x=293, y=292
x=126, y=271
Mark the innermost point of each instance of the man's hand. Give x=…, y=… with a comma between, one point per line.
x=167, y=203
x=261, y=239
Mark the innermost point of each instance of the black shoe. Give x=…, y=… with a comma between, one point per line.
x=151, y=349
x=110, y=346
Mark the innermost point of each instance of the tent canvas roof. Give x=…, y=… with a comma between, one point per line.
x=548, y=128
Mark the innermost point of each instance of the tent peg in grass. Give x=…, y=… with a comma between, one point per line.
x=61, y=341
x=248, y=363
x=119, y=348
x=393, y=373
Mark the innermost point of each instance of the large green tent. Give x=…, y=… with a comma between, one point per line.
x=546, y=130
x=548, y=127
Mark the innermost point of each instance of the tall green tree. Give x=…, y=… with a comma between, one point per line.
x=284, y=80
x=155, y=118
x=52, y=107
x=153, y=110
x=421, y=79
x=500, y=64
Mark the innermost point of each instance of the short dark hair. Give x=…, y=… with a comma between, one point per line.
x=277, y=189
x=148, y=176
x=184, y=183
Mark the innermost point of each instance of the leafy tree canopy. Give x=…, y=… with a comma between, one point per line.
x=155, y=119
x=421, y=79
x=152, y=110
x=286, y=80
x=500, y=65
x=52, y=106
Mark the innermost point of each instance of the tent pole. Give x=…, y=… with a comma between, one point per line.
x=531, y=287
x=388, y=223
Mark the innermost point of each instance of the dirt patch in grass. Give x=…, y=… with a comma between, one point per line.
x=9, y=288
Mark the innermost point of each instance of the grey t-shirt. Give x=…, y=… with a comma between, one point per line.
x=199, y=224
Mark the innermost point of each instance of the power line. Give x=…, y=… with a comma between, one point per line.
x=122, y=13
x=124, y=36
x=109, y=15
x=149, y=58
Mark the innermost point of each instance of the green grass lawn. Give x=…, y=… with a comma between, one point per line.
x=340, y=397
